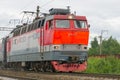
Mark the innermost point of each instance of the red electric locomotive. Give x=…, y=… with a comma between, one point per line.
x=56, y=42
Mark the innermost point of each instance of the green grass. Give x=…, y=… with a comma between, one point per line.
x=109, y=65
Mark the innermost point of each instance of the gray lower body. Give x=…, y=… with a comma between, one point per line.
x=49, y=56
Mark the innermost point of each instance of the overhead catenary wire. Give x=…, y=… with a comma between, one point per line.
x=6, y=29
x=27, y=5
x=26, y=13
x=46, y=3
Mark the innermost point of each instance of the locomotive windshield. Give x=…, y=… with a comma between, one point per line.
x=66, y=24
x=62, y=24
x=80, y=24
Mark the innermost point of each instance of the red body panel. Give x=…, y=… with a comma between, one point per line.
x=8, y=46
x=71, y=37
x=48, y=37
x=66, y=17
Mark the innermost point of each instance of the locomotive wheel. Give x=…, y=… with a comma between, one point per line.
x=47, y=67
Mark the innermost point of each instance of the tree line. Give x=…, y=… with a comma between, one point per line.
x=108, y=47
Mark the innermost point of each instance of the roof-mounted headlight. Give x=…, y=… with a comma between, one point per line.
x=70, y=16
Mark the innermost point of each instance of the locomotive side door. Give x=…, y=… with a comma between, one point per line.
x=42, y=39
x=45, y=36
x=48, y=35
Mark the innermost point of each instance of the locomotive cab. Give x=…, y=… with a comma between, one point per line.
x=71, y=35
x=67, y=36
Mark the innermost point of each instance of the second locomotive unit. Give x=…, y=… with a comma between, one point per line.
x=56, y=42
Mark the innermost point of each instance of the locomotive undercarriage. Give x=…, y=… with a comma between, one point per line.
x=61, y=59
x=42, y=66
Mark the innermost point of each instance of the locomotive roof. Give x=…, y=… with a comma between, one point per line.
x=54, y=13
x=50, y=17
x=25, y=24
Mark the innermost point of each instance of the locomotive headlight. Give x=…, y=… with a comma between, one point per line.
x=56, y=47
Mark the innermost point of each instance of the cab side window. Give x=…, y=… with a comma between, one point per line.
x=50, y=24
x=80, y=24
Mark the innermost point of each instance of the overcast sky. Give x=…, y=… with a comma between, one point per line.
x=101, y=14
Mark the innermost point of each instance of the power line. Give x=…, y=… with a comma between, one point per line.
x=47, y=3
x=6, y=29
x=14, y=21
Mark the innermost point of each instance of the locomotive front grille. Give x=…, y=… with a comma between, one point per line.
x=71, y=47
x=74, y=47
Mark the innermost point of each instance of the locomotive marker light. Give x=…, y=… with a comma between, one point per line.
x=70, y=17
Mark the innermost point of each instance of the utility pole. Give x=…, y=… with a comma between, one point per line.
x=100, y=43
x=101, y=36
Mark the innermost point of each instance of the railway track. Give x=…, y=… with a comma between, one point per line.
x=101, y=76
x=19, y=75
x=15, y=78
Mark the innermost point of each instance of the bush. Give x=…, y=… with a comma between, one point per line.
x=109, y=65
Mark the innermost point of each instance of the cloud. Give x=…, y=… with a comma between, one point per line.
x=101, y=15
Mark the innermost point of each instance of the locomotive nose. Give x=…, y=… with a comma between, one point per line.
x=83, y=57
x=80, y=59
x=70, y=37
